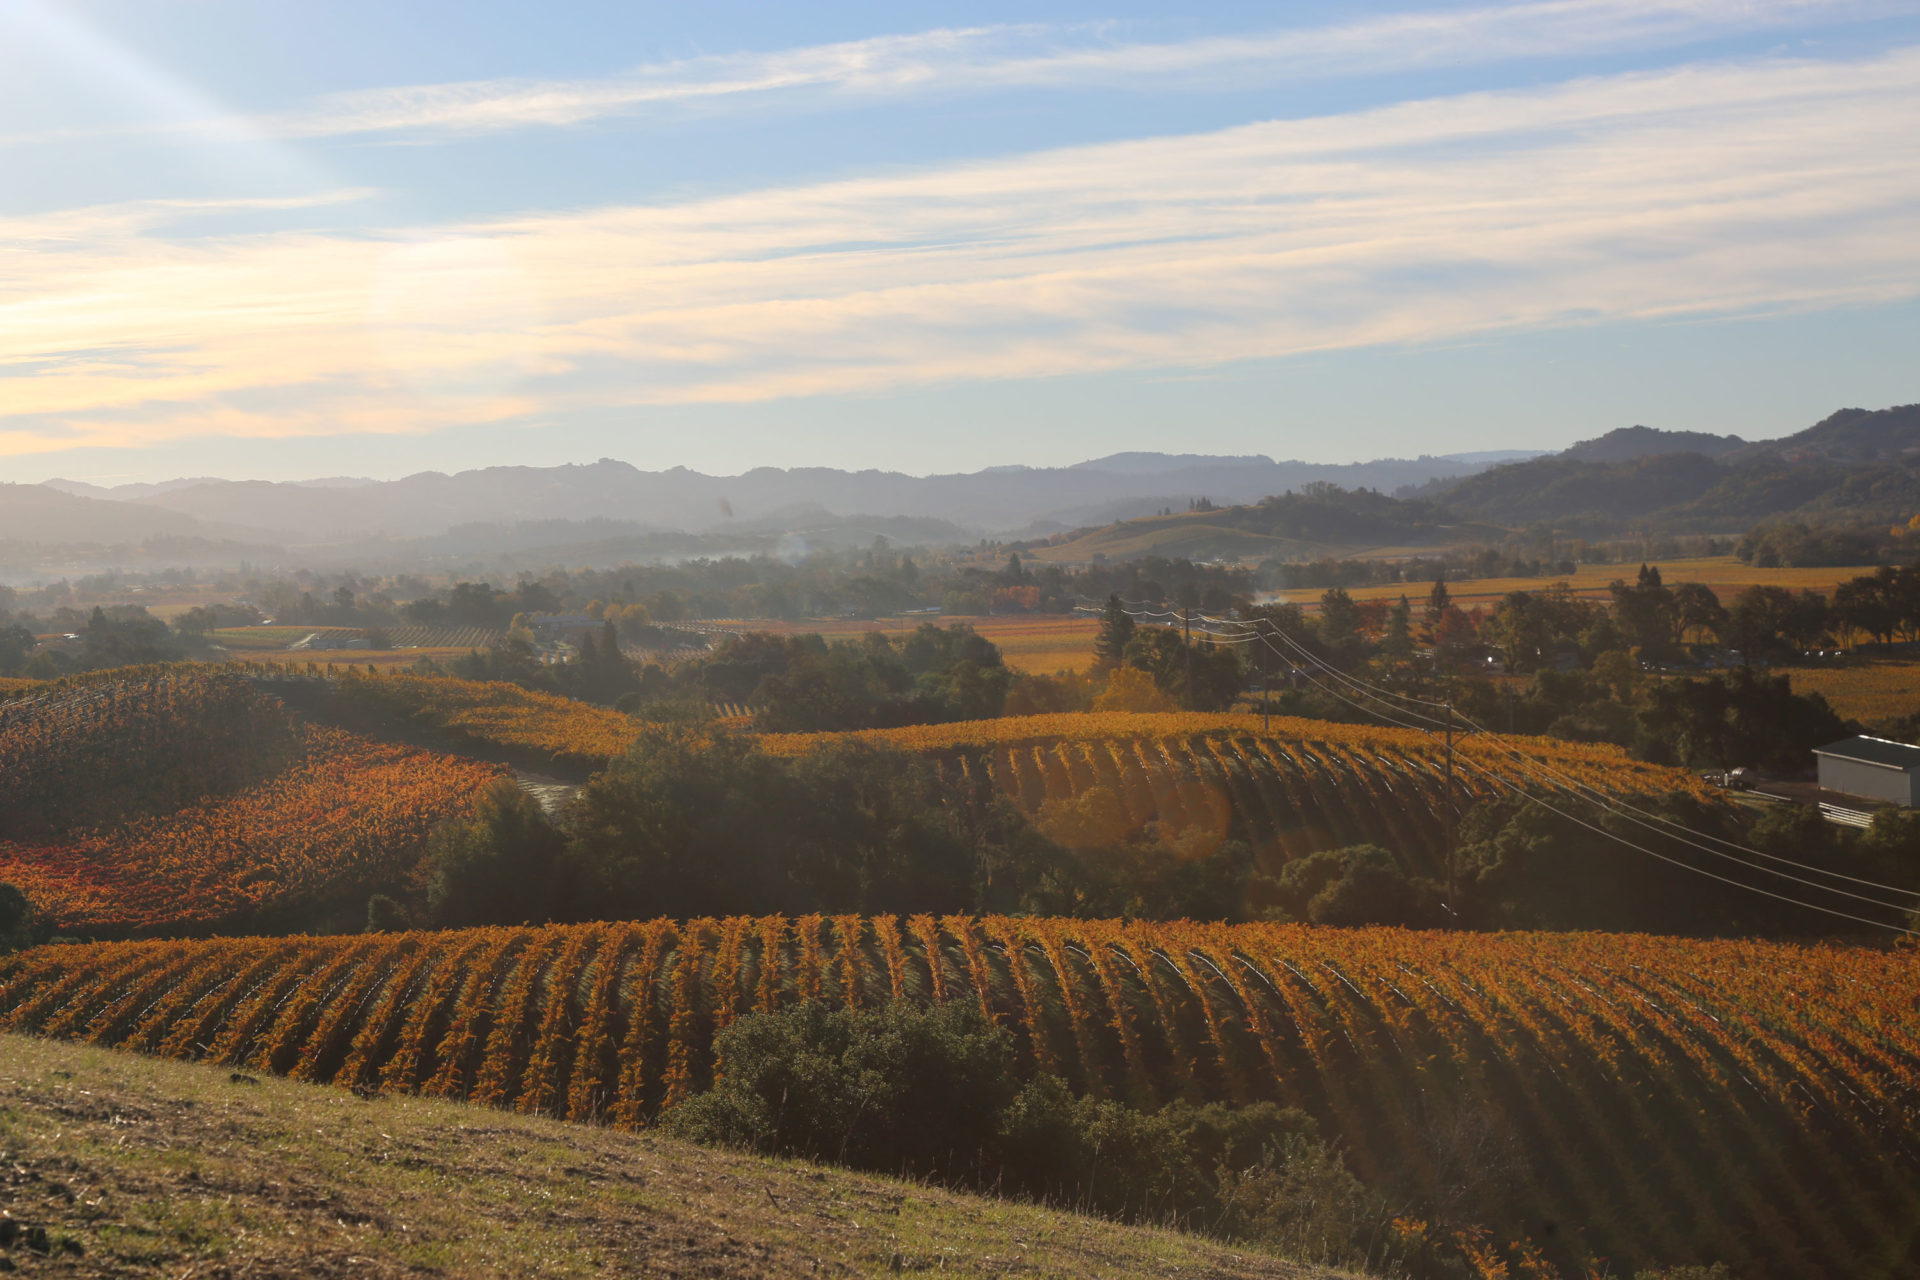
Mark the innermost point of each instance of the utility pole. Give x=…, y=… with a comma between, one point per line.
x=1266, y=685
x=1453, y=886
x=1186, y=628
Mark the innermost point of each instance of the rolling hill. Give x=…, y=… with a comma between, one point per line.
x=1855, y=466
x=183, y=800
x=1320, y=521
x=1640, y=1100
x=126, y=1166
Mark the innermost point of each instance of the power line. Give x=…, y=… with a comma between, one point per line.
x=1592, y=795
x=1582, y=791
x=1576, y=786
x=1524, y=794
x=1687, y=866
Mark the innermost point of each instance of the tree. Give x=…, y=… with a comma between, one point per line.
x=130, y=637
x=16, y=645
x=1438, y=602
x=1131, y=689
x=1116, y=629
x=1698, y=611
x=897, y=1088
x=1744, y=718
x=16, y=919
x=384, y=915
x=1339, y=624
x=497, y=866
x=1398, y=641
x=1647, y=612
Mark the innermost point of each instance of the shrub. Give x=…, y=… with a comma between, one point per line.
x=497, y=866
x=899, y=1089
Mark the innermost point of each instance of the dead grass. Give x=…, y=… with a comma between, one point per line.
x=1727, y=576
x=1041, y=643
x=117, y=1165
x=1869, y=689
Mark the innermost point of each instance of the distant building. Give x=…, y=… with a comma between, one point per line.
x=554, y=626
x=1875, y=768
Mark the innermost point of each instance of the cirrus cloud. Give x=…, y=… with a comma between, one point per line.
x=1701, y=190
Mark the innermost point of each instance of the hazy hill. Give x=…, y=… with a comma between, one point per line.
x=998, y=499
x=1850, y=435
x=1324, y=520
x=36, y=513
x=1854, y=466
x=1623, y=444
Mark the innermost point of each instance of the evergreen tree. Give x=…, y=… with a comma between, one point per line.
x=1398, y=641
x=1116, y=628
x=1438, y=600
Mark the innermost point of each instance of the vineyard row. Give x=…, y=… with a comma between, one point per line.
x=1773, y=1089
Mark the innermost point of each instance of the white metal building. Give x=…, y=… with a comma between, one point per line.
x=1875, y=768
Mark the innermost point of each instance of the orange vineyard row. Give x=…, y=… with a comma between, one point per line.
x=1094, y=779
x=498, y=714
x=348, y=816
x=1631, y=1085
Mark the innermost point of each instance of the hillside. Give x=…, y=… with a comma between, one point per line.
x=1322, y=520
x=1855, y=466
x=430, y=503
x=1626, y=443
x=1639, y=1099
x=138, y=1167
x=184, y=800
x=35, y=513
x=1288, y=790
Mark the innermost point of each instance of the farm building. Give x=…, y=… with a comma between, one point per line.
x=1876, y=768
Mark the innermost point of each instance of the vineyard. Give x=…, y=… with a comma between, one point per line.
x=1867, y=689
x=346, y=817
x=1498, y=1080
x=444, y=637
x=1091, y=780
x=97, y=749
x=267, y=638
x=497, y=715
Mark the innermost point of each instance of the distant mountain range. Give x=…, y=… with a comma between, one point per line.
x=1856, y=466
x=945, y=508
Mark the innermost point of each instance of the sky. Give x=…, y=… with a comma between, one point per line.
x=277, y=240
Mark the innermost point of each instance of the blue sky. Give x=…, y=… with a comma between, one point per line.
x=282, y=240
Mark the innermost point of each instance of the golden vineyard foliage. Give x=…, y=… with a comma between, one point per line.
x=348, y=816
x=1585, y=1091
x=102, y=747
x=1871, y=690
x=1092, y=779
x=498, y=714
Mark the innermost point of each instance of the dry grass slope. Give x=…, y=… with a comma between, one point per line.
x=138, y=1167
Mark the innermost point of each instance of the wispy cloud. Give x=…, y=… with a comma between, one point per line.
x=1693, y=191
x=1040, y=56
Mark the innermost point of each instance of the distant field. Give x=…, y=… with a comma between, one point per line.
x=1042, y=643
x=1867, y=689
x=1726, y=575
x=268, y=637
x=459, y=639
x=384, y=659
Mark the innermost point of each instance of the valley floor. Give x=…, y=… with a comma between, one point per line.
x=117, y=1165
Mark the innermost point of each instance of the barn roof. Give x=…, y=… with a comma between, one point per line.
x=1881, y=751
